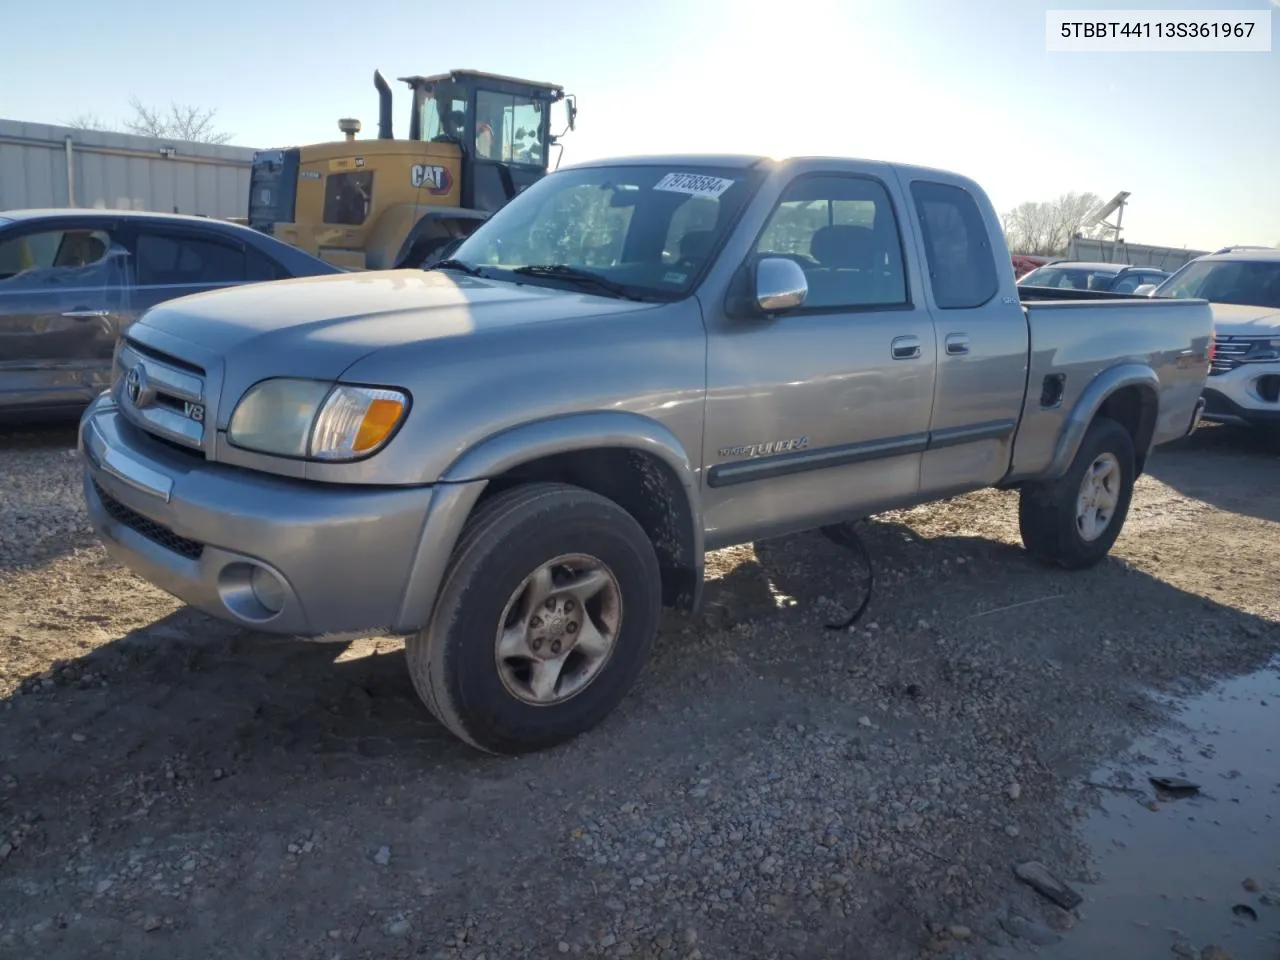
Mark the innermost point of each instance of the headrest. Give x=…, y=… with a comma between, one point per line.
x=843, y=246
x=695, y=244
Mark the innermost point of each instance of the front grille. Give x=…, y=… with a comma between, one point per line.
x=162, y=357
x=157, y=533
x=163, y=395
x=1228, y=353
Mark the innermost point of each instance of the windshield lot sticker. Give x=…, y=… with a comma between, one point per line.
x=674, y=277
x=694, y=184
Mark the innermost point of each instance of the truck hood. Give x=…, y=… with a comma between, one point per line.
x=1234, y=320
x=319, y=326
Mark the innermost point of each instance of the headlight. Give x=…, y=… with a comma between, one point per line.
x=1263, y=351
x=315, y=420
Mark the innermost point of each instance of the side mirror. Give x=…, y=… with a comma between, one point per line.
x=780, y=285
x=1144, y=289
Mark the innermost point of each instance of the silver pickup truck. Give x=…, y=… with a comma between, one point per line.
x=516, y=458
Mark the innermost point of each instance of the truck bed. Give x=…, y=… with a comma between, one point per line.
x=1026, y=293
x=1069, y=348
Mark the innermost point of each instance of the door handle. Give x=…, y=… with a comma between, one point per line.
x=957, y=343
x=85, y=314
x=906, y=348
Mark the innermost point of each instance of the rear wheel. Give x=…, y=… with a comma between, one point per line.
x=1074, y=521
x=545, y=619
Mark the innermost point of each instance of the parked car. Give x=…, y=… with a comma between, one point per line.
x=516, y=457
x=71, y=281
x=1078, y=275
x=1024, y=263
x=1242, y=286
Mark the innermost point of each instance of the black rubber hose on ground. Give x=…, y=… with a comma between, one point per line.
x=846, y=536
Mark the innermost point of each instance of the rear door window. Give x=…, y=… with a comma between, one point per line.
x=962, y=267
x=174, y=259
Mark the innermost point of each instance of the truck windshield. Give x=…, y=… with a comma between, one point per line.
x=1254, y=283
x=649, y=229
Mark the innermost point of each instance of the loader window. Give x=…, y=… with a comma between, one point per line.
x=433, y=124
x=509, y=128
x=347, y=197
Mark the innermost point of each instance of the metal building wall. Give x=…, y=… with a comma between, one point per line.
x=1137, y=254
x=119, y=171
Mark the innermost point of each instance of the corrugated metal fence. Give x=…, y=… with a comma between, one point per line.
x=50, y=166
x=1137, y=254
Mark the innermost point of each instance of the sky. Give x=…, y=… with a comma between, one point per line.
x=967, y=86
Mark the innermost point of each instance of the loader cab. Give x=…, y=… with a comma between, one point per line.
x=501, y=125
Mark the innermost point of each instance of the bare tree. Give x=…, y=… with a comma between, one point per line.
x=1044, y=228
x=87, y=121
x=180, y=122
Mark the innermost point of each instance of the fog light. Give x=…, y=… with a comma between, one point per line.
x=267, y=589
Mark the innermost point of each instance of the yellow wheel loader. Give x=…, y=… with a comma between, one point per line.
x=475, y=140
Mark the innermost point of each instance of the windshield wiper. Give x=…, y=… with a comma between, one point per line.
x=562, y=271
x=452, y=264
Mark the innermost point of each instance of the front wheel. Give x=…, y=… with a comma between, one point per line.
x=1074, y=521
x=545, y=619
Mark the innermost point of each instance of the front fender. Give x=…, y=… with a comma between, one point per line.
x=1077, y=422
x=509, y=448
x=463, y=482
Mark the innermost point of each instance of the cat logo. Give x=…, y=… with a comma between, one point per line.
x=433, y=177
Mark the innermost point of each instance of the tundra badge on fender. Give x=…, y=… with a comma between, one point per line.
x=766, y=449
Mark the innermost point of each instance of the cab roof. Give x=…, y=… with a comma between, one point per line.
x=1245, y=253
x=461, y=75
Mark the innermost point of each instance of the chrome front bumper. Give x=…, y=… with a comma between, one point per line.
x=332, y=560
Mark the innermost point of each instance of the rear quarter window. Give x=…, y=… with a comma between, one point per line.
x=962, y=268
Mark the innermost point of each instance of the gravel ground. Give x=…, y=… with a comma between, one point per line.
x=173, y=787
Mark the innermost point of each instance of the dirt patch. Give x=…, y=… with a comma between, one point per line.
x=173, y=787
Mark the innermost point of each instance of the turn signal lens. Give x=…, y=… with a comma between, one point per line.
x=355, y=421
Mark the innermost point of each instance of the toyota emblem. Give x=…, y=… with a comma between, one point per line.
x=137, y=388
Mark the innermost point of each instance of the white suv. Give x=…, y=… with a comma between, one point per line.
x=1243, y=286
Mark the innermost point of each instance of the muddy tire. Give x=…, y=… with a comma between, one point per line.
x=1074, y=521
x=546, y=616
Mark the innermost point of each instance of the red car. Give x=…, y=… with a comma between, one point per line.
x=1025, y=263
